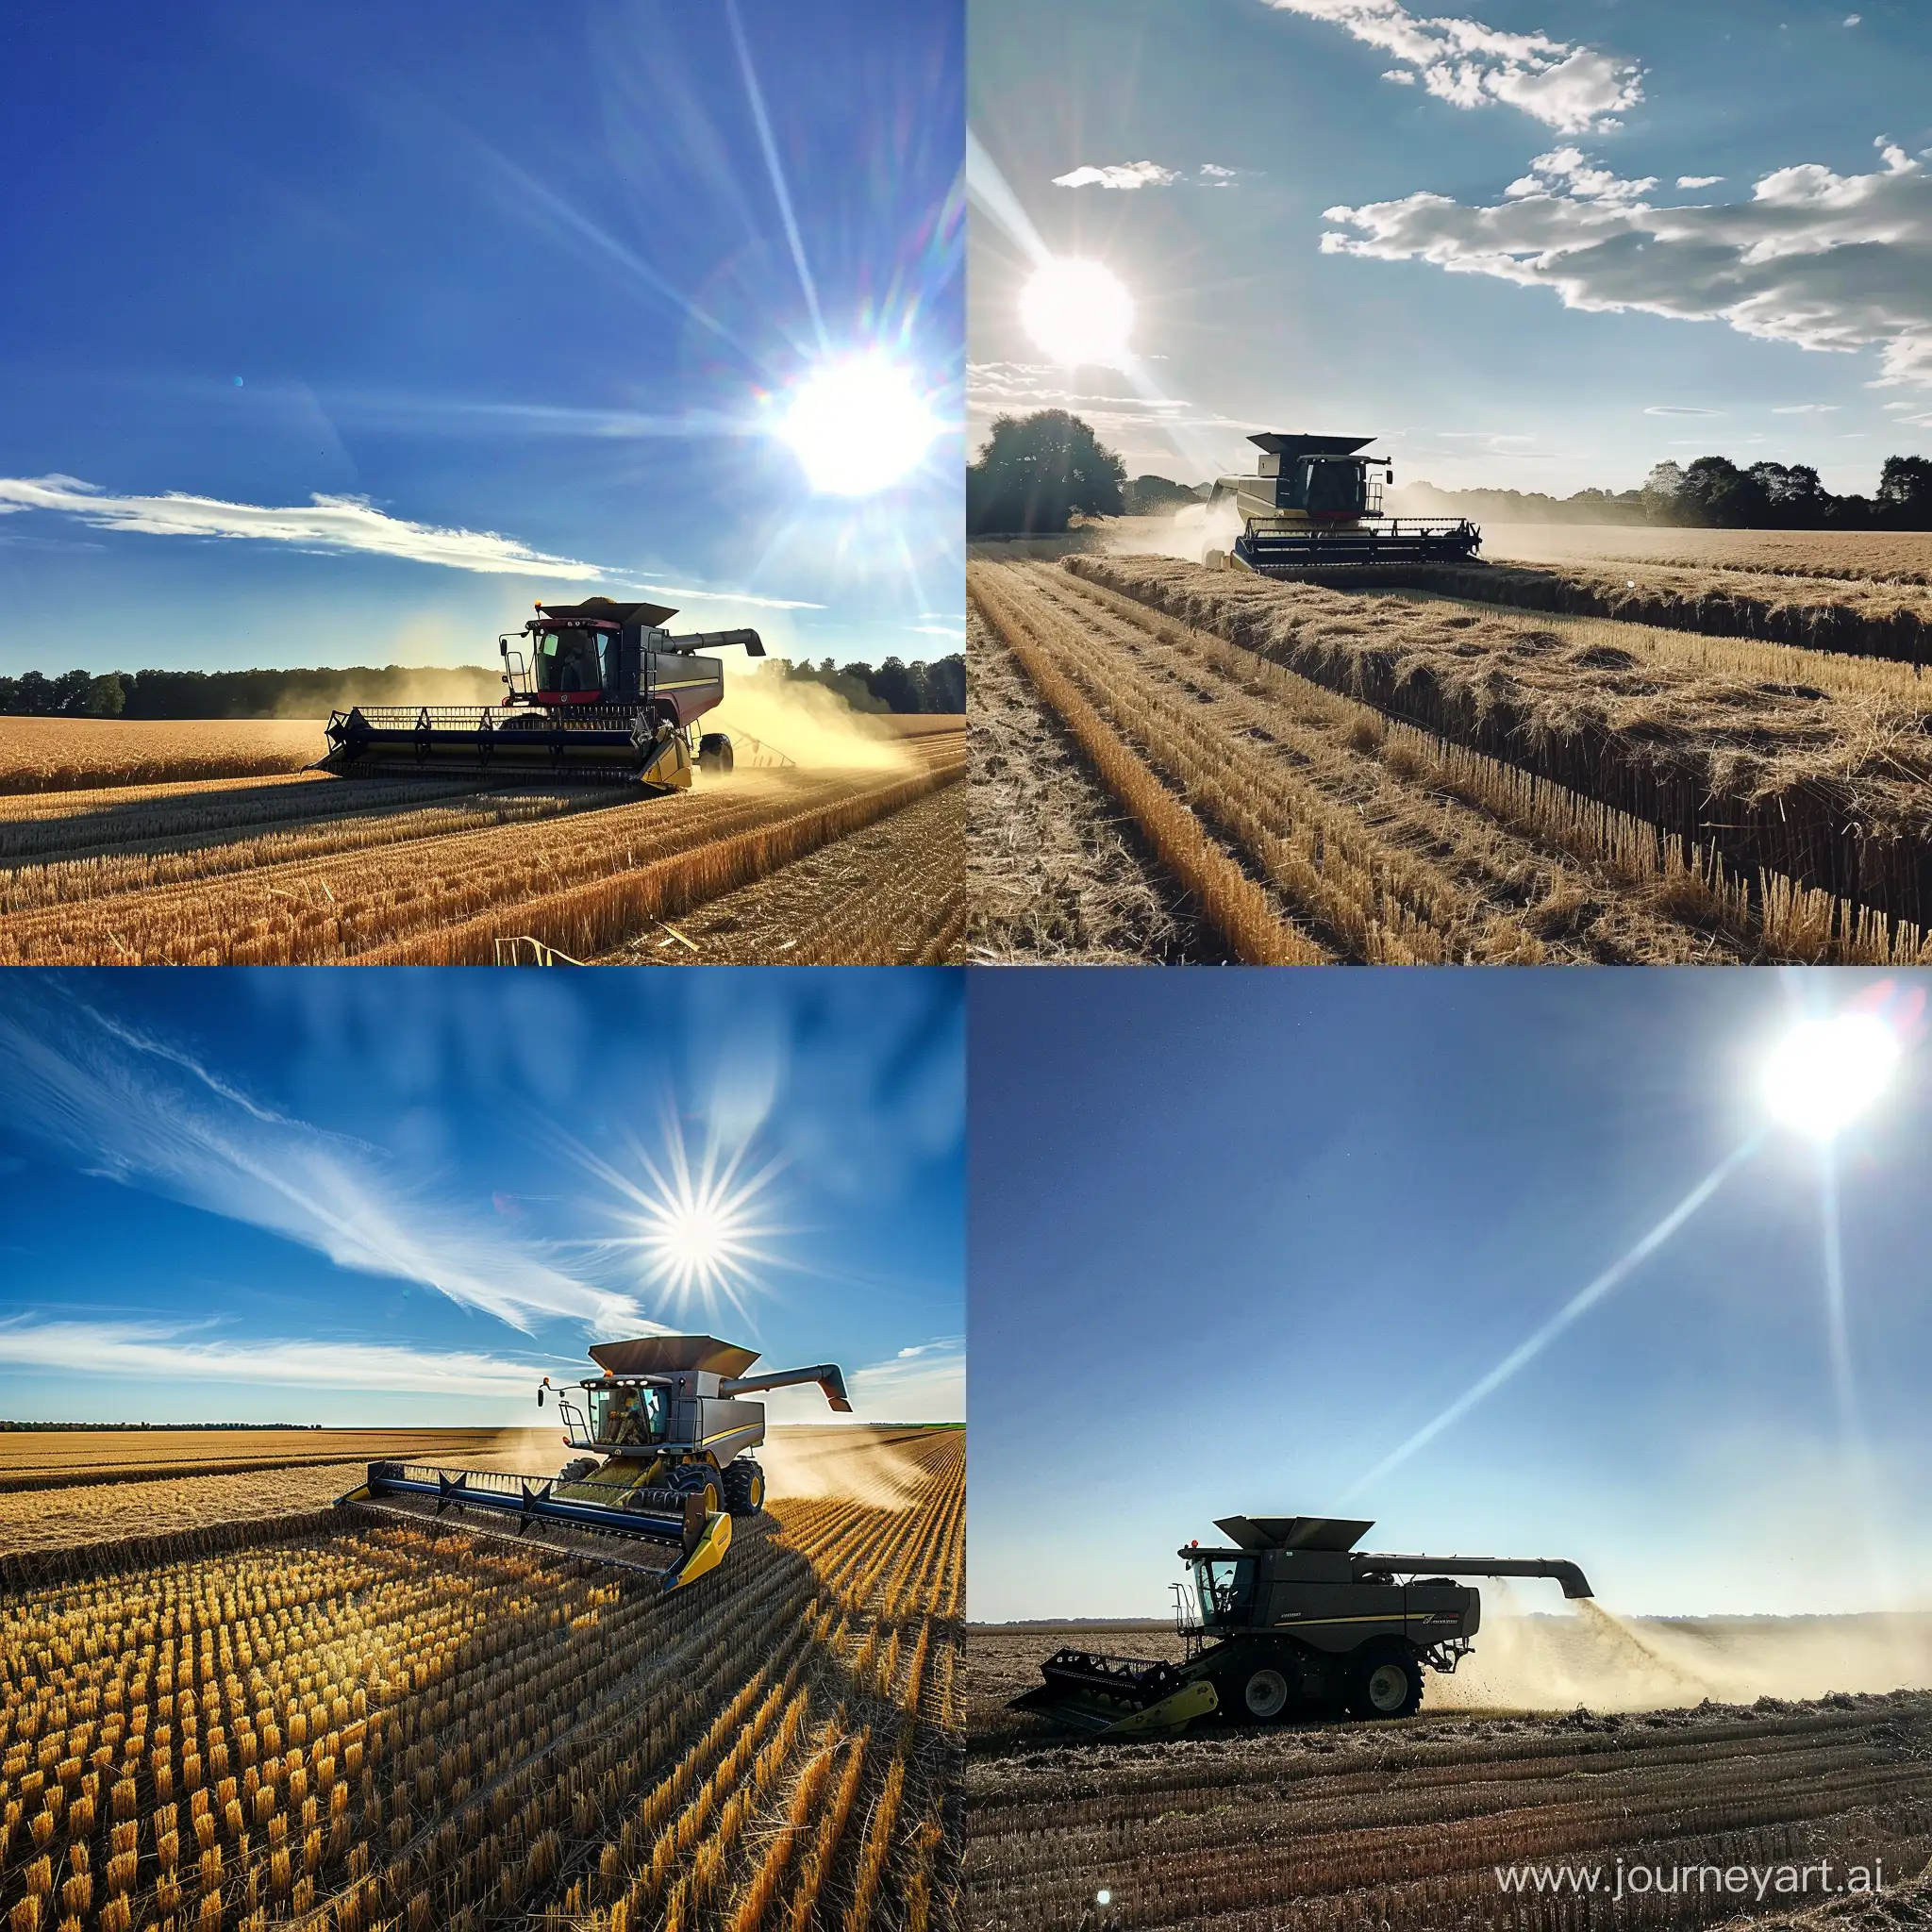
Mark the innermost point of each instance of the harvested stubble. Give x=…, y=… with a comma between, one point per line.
x=1391, y=844
x=395, y=1726
x=1401, y=1827
x=67, y=754
x=893, y=894
x=408, y=873
x=1252, y=927
x=1893, y=556
x=1828, y=789
x=1054, y=870
x=65, y=1458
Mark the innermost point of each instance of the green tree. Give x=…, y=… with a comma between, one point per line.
x=1036, y=471
x=107, y=696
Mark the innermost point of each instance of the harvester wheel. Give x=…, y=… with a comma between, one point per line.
x=1262, y=1695
x=745, y=1487
x=691, y=1478
x=1385, y=1680
x=577, y=1469
x=714, y=753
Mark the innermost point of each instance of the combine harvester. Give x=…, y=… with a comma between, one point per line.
x=1314, y=504
x=670, y=1462
x=1293, y=1619
x=597, y=689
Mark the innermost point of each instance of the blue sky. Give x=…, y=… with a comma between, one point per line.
x=1237, y=1237
x=1508, y=298
x=401, y=1198
x=522, y=297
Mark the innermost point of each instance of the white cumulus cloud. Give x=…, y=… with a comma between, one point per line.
x=1127, y=175
x=1469, y=64
x=1568, y=171
x=1699, y=180
x=1825, y=260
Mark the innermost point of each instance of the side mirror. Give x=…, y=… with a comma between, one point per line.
x=539, y=1398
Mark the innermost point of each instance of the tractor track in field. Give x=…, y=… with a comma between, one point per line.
x=312, y=869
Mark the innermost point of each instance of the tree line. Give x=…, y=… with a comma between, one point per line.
x=1034, y=472
x=892, y=686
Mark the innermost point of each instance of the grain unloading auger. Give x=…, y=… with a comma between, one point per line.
x=669, y=1440
x=1294, y=1618
x=597, y=689
x=1314, y=504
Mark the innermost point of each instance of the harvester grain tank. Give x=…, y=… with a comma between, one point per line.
x=598, y=690
x=667, y=1440
x=1293, y=1618
x=1315, y=502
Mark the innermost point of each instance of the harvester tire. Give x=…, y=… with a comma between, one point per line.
x=1263, y=1695
x=745, y=1487
x=1385, y=1680
x=691, y=1478
x=714, y=753
x=577, y=1469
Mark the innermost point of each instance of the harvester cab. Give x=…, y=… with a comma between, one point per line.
x=667, y=1464
x=597, y=689
x=1315, y=502
x=1289, y=1618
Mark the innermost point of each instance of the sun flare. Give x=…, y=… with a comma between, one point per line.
x=1079, y=313
x=1824, y=1073
x=858, y=425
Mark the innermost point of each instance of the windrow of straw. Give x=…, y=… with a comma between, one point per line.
x=1829, y=790
x=1819, y=615
x=595, y=917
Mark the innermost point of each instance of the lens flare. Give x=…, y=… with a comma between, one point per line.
x=696, y=1228
x=1825, y=1072
x=858, y=425
x=1078, y=311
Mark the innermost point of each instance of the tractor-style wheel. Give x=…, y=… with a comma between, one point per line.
x=577, y=1469
x=690, y=1478
x=714, y=753
x=745, y=1487
x=1385, y=1680
x=1265, y=1695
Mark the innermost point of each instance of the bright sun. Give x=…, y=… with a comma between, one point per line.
x=1078, y=311
x=858, y=425
x=1824, y=1073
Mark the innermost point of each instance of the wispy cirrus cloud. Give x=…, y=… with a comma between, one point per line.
x=1469, y=64
x=341, y=524
x=176, y=1351
x=1824, y=260
x=145, y=1113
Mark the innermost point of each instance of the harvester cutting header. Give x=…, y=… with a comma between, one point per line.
x=668, y=1437
x=1315, y=502
x=596, y=690
x=1292, y=1618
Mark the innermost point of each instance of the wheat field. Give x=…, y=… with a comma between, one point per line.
x=349, y=1722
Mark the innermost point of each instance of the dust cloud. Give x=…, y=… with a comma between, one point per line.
x=809, y=725
x=1598, y=1660
x=852, y=1465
